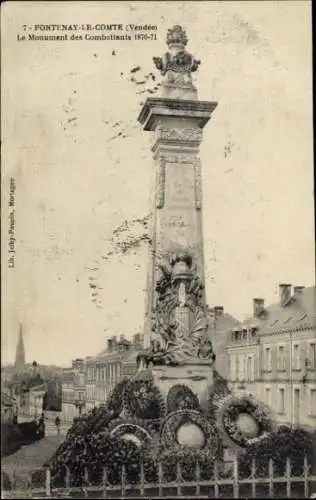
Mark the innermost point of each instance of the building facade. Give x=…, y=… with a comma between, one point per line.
x=220, y=323
x=89, y=381
x=273, y=355
x=68, y=396
x=35, y=401
x=105, y=370
x=9, y=409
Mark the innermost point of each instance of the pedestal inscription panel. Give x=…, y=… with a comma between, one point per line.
x=179, y=185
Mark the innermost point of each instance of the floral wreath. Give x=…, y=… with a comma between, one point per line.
x=228, y=412
x=134, y=432
x=143, y=400
x=180, y=397
x=174, y=422
x=115, y=398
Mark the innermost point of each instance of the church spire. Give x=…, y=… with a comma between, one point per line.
x=20, y=353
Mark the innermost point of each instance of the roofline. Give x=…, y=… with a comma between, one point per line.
x=273, y=332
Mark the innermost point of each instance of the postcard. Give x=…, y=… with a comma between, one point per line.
x=158, y=258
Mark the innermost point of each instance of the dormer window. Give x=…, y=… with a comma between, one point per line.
x=235, y=334
x=254, y=330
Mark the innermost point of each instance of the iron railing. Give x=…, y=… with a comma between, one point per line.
x=230, y=484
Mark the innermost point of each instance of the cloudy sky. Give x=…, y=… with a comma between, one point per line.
x=82, y=164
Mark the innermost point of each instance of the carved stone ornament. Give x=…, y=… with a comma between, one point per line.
x=178, y=158
x=178, y=59
x=176, y=134
x=180, y=322
x=160, y=193
x=198, y=185
x=177, y=64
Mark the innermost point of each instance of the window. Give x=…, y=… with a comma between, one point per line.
x=296, y=357
x=233, y=367
x=267, y=396
x=313, y=402
x=312, y=356
x=254, y=330
x=241, y=367
x=281, y=362
x=281, y=402
x=267, y=361
x=250, y=369
x=236, y=335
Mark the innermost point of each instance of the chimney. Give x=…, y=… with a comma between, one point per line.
x=78, y=364
x=136, y=340
x=114, y=342
x=297, y=290
x=285, y=294
x=258, y=307
x=110, y=345
x=218, y=311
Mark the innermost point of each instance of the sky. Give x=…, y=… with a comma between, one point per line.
x=82, y=165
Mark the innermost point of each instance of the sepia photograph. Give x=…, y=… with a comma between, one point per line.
x=157, y=250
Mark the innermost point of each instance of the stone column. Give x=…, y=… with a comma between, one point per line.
x=176, y=119
x=176, y=316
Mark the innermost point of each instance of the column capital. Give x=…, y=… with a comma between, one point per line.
x=180, y=112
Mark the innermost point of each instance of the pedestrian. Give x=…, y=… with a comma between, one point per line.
x=57, y=423
x=41, y=426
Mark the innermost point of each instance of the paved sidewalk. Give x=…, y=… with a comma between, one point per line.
x=31, y=457
x=50, y=427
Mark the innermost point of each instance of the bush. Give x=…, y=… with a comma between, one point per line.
x=30, y=432
x=11, y=439
x=5, y=481
x=284, y=442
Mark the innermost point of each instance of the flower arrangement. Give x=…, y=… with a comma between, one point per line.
x=102, y=449
x=143, y=400
x=180, y=397
x=189, y=429
x=229, y=416
x=134, y=430
x=115, y=398
x=184, y=463
x=220, y=390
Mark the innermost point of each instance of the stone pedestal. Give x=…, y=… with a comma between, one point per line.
x=196, y=375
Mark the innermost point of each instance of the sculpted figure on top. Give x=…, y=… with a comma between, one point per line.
x=177, y=64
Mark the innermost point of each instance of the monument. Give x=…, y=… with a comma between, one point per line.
x=176, y=320
x=176, y=409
